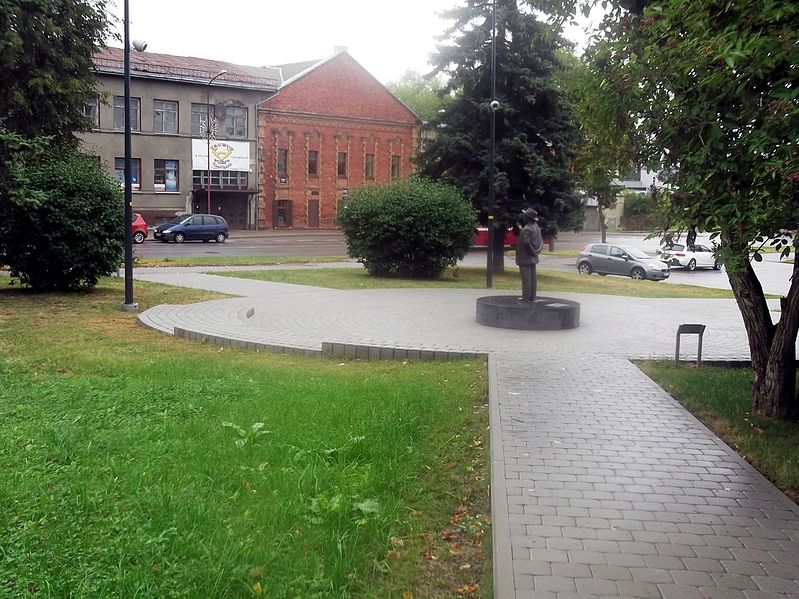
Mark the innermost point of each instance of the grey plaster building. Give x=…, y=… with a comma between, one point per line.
x=171, y=100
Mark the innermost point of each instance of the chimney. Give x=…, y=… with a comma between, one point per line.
x=339, y=49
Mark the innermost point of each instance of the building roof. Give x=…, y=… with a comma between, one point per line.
x=187, y=69
x=357, y=92
x=291, y=70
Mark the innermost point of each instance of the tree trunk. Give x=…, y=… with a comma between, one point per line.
x=603, y=228
x=772, y=347
x=498, y=263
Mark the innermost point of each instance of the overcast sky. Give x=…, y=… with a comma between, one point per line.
x=387, y=38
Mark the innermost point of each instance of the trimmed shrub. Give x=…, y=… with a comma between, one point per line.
x=411, y=228
x=70, y=230
x=640, y=211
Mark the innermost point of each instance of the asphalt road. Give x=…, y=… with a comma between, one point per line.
x=252, y=243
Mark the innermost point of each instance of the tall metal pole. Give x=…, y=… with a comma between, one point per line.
x=129, y=304
x=208, y=147
x=208, y=133
x=493, y=106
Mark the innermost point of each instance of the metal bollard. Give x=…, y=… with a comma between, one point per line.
x=690, y=329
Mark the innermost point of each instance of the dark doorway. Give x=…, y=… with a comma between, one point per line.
x=313, y=214
x=233, y=208
x=281, y=214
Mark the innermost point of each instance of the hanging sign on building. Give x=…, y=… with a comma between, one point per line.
x=225, y=155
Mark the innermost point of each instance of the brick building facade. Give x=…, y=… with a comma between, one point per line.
x=328, y=129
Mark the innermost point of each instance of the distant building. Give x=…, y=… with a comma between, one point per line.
x=287, y=142
x=637, y=180
x=331, y=127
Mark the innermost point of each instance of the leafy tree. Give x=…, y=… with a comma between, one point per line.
x=712, y=86
x=603, y=151
x=69, y=232
x=641, y=211
x=407, y=228
x=46, y=77
x=535, y=134
x=424, y=95
x=46, y=69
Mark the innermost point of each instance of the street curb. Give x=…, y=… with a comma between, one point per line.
x=502, y=563
x=332, y=349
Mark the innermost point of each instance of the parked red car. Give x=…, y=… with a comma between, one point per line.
x=481, y=238
x=139, y=228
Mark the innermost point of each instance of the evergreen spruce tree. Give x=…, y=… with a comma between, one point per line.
x=535, y=134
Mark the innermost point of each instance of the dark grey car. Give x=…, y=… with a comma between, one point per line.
x=609, y=259
x=203, y=227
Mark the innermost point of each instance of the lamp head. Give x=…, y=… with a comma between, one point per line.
x=494, y=105
x=139, y=45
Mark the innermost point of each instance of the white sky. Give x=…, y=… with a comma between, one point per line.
x=387, y=38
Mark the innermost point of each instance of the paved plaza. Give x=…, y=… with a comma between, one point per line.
x=602, y=484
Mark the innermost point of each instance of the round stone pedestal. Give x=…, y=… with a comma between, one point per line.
x=544, y=314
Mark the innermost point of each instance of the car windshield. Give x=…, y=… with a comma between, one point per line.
x=636, y=253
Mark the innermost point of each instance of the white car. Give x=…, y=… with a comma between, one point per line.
x=690, y=258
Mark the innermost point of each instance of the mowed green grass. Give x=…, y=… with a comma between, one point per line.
x=138, y=465
x=721, y=398
x=475, y=278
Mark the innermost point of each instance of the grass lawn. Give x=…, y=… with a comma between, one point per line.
x=233, y=260
x=720, y=397
x=139, y=465
x=474, y=278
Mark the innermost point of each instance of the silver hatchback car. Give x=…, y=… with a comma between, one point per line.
x=609, y=259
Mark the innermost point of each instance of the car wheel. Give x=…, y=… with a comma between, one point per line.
x=220, y=238
x=138, y=237
x=717, y=265
x=638, y=274
x=691, y=265
x=584, y=268
x=179, y=237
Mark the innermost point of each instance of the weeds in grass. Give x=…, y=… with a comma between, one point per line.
x=136, y=464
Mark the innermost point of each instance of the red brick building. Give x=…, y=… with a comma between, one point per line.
x=328, y=129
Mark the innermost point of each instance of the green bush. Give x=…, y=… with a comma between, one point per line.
x=412, y=228
x=69, y=230
x=640, y=211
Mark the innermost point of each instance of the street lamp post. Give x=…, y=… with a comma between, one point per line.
x=208, y=133
x=494, y=106
x=129, y=304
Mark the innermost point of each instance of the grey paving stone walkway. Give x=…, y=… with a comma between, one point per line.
x=613, y=489
x=602, y=485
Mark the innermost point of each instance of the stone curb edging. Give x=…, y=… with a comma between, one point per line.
x=377, y=352
x=250, y=345
x=333, y=349
x=502, y=558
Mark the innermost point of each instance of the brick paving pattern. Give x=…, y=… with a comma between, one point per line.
x=602, y=485
x=613, y=489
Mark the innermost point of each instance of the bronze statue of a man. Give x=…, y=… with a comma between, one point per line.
x=528, y=246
